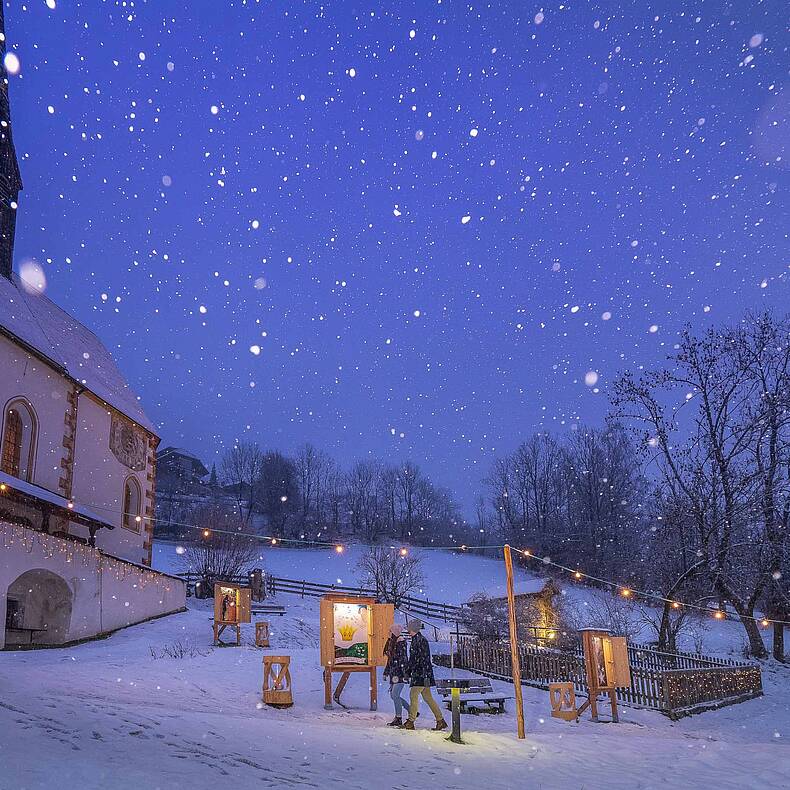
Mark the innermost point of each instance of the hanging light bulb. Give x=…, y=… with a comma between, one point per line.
x=206, y=533
x=274, y=541
x=675, y=605
x=764, y=623
x=718, y=614
x=404, y=552
x=339, y=549
x=577, y=575
x=625, y=592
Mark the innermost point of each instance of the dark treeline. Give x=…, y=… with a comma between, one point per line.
x=691, y=501
x=579, y=500
x=309, y=496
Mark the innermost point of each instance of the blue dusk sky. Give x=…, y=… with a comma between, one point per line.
x=417, y=230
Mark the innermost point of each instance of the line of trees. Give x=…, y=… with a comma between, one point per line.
x=685, y=492
x=309, y=496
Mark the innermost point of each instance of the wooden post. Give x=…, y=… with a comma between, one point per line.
x=327, y=688
x=514, y=659
x=373, y=689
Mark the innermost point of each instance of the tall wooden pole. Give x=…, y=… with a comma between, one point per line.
x=511, y=616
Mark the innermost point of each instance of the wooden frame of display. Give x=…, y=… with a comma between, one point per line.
x=606, y=666
x=231, y=608
x=379, y=619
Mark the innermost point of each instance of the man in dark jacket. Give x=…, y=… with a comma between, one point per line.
x=420, y=673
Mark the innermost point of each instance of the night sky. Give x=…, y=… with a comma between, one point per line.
x=413, y=233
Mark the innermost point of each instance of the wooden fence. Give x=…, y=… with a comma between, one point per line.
x=675, y=684
x=275, y=585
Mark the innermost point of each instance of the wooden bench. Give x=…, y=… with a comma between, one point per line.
x=272, y=609
x=479, y=690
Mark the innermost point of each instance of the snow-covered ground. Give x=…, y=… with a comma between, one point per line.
x=109, y=714
x=453, y=577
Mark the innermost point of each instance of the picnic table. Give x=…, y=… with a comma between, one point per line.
x=454, y=685
x=268, y=608
x=474, y=690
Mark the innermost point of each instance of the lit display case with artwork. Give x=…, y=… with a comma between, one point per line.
x=353, y=634
x=231, y=608
x=606, y=665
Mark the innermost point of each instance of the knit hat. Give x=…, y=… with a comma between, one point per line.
x=414, y=626
x=396, y=629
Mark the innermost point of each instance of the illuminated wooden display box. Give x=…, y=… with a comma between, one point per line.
x=353, y=634
x=231, y=609
x=607, y=667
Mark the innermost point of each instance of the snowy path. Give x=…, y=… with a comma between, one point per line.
x=107, y=714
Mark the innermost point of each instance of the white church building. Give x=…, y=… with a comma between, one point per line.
x=77, y=466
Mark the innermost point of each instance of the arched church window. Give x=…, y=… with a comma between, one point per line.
x=132, y=502
x=19, y=440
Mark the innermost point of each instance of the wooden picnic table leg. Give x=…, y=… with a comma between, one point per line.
x=327, y=688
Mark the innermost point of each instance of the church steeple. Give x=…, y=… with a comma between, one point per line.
x=10, y=179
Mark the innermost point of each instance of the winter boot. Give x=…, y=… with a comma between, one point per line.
x=396, y=722
x=440, y=725
x=409, y=724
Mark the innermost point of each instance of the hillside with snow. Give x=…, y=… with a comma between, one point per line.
x=117, y=712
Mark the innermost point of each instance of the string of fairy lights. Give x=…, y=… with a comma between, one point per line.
x=625, y=591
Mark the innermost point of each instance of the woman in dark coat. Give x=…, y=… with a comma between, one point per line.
x=395, y=651
x=420, y=672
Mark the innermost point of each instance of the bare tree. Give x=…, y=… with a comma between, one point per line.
x=240, y=469
x=409, y=477
x=717, y=422
x=390, y=573
x=278, y=493
x=225, y=547
x=365, y=505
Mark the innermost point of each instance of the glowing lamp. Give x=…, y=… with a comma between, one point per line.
x=577, y=575
x=206, y=533
x=404, y=552
x=718, y=614
x=625, y=592
x=339, y=549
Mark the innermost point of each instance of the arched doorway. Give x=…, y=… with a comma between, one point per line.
x=38, y=609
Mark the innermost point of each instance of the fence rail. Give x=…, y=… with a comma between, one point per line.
x=446, y=612
x=674, y=684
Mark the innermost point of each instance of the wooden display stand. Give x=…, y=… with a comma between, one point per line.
x=344, y=620
x=277, y=681
x=231, y=608
x=607, y=667
x=262, y=634
x=562, y=699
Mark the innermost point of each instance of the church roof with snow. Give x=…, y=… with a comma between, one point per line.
x=38, y=323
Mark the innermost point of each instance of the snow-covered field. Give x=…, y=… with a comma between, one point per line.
x=108, y=714
x=453, y=577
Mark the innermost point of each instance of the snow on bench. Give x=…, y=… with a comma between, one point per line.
x=479, y=690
